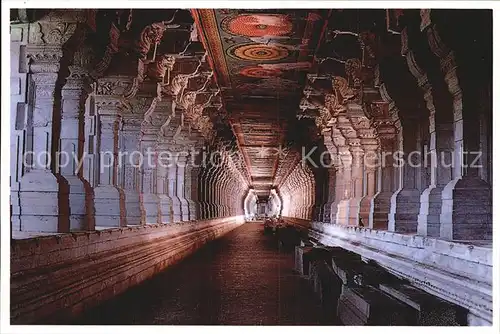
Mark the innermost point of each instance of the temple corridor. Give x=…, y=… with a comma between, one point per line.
x=250, y=166
x=240, y=279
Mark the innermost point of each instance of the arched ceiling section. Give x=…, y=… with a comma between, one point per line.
x=260, y=59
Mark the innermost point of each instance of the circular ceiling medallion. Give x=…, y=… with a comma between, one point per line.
x=259, y=72
x=257, y=25
x=258, y=52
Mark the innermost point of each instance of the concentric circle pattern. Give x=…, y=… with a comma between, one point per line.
x=257, y=25
x=259, y=72
x=258, y=52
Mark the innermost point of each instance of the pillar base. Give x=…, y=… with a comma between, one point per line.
x=176, y=209
x=366, y=211
x=430, y=210
x=193, y=210
x=150, y=208
x=354, y=211
x=343, y=212
x=166, y=213
x=132, y=207
x=334, y=208
x=109, y=206
x=467, y=210
x=184, y=209
x=403, y=215
x=44, y=202
x=81, y=204
x=381, y=209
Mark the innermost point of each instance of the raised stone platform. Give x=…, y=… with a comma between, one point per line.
x=456, y=272
x=54, y=277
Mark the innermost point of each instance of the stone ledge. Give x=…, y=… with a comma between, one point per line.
x=56, y=277
x=461, y=274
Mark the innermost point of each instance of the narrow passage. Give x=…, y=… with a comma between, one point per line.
x=239, y=279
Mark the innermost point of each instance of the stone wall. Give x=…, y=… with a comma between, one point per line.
x=456, y=272
x=56, y=277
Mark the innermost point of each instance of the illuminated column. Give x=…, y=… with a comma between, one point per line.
x=109, y=199
x=181, y=174
x=43, y=201
x=74, y=94
x=129, y=178
x=162, y=182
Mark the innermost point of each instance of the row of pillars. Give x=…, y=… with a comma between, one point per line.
x=98, y=137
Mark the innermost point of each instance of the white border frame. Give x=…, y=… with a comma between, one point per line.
x=5, y=326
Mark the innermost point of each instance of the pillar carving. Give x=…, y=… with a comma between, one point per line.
x=182, y=160
x=439, y=133
x=109, y=196
x=405, y=201
x=193, y=170
x=74, y=95
x=130, y=176
x=387, y=166
x=466, y=199
x=43, y=192
x=344, y=135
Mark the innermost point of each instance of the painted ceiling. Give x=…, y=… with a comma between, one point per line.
x=260, y=59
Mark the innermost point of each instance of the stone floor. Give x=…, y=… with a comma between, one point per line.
x=240, y=279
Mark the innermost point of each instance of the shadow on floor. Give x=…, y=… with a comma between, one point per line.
x=239, y=279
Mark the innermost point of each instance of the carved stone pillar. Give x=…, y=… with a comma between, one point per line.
x=223, y=194
x=366, y=204
x=383, y=121
x=193, y=170
x=172, y=191
x=18, y=116
x=81, y=195
x=43, y=193
x=405, y=201
x=216, y=191
x=162, y=181
x=466, y=210
x=202, y=185
x=182, y=160
x=334, y=179
x=357, y=184
x=109, y=200
x=382, y=199
x=345, y=176
x=130, y=177
x=331, y=195
x=150, y=203
x=209, y=191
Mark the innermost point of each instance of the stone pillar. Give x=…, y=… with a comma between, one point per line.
x=191, y=184
x=357, y=184
x=81, y=195
x=202, y=190
x=182, y=159
x=405, y=202
x=331, y=195
x=366, y=204
x=466, y=210
x=109, y=198
x=130, y=182
x=384, y=116
x=43, y=192
x=162, y=180
x=225, y=193
x=18, y=116
x=210, y=189
x=385, y=186
x=172, y=192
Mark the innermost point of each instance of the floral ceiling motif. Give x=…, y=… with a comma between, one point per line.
x=257, y=25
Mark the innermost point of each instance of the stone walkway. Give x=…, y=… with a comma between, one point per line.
x=240, y=279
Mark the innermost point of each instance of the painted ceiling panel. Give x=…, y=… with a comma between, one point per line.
x=260, y=59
